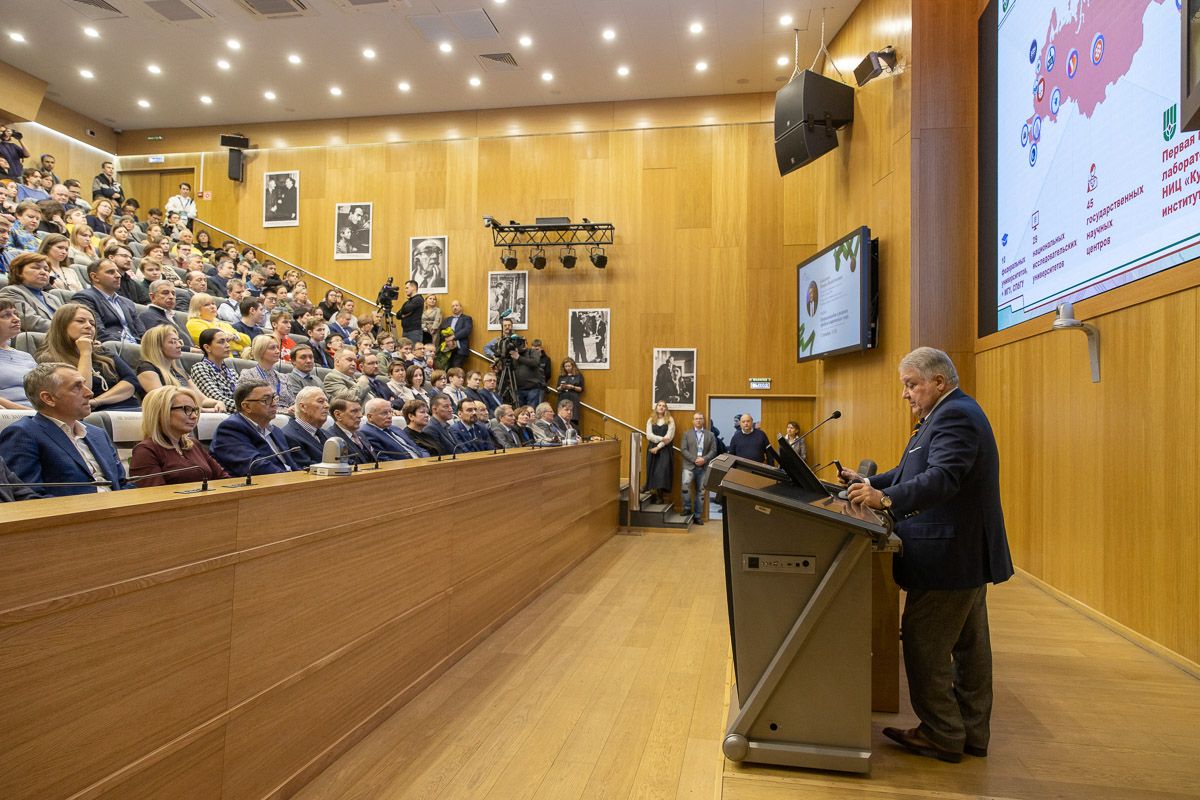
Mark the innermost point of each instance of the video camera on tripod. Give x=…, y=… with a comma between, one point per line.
x=387, y=294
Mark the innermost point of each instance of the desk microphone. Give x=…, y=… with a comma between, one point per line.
x=834, y=415
x=192, y=468
x=250, y=469
x=379, y=453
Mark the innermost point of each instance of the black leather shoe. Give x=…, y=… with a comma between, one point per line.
x=978, y=752
x=912, y=739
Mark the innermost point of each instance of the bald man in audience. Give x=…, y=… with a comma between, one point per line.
x=389, y=443
x=342, y=381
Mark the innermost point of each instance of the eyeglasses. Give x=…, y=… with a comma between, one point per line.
x=269, y=400
x=188, y=411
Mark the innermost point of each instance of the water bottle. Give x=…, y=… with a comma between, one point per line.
x=572, y=436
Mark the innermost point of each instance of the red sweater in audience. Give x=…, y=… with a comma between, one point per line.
x=149, y=458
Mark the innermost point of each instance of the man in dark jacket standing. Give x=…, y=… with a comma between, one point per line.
x=410, y=312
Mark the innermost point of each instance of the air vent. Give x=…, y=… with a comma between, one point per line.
x=434, y=28
x=179, y=10
x=95, y=9
x=474, y=24
x=277, y=9
x=358, y=5
x=498, y=62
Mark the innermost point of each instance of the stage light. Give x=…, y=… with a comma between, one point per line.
x=599, y=260
x=538, y=258
x=508, y=258
x=568, y=258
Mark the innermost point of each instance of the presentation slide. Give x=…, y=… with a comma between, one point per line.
x=1096, y=185
x=830, y=299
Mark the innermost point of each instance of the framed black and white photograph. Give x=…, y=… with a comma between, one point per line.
x=675, y=378
x=428, y=264
x=281, y=199
x=587, y=337
x=508, y=292
x=352, y=231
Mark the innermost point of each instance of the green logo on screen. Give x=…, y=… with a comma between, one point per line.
x=1169, y=122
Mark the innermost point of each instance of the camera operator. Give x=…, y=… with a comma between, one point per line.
x=14, y=151
x=531, y=380
x=410, y=312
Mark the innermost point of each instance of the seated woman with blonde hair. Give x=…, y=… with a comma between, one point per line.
x=82, y=250
x=202, y=315
x=160, y=365
x=265, y=352
x=169, y=415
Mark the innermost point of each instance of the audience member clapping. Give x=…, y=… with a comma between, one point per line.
x=211, y=375
x=265, y=352
x=169, y=415
x=243, y=438
x=28, y=289
x=160, y=366
x=71, y=340
x=14, y=364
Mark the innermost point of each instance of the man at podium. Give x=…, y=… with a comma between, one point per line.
x=945, y=497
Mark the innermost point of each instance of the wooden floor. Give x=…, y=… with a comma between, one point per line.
x=613, y=684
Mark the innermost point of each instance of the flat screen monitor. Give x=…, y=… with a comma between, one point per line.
x=837, y=298
x=800, y=473
x=1087, y=181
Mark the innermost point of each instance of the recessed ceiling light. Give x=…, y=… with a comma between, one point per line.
x=404, y=87
x=526, y=41
x=144, y=103
x=234, y=44
x=786, y=19
x=269, y=95
x=368, y=53
x=701, y=66
x=205, y=99
x=696, y=27
x=154, y=68
x=445, y=47
x=87, y=73
x=16, y=37
x=475, y=81
x=782, y=61
x=547, y=76
x=499, y=2
x=610, y=34
x=295, y=59
x=223, y=64
x=92, y=32
x=335, y=91
x=622, y=70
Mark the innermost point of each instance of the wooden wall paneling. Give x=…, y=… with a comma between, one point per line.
x=100, y=685
x=23, y=93
x=191, y=773
x=730, y=183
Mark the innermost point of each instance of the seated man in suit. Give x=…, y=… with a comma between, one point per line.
x=543, y=427
x=248, y=435
x=161, y=312
x=55, y=445
x=389, y=444
x=416, y=418
x=441, y=414
x=466, y=435
x=377, y=386
x=116, y=316
x=503, y=427
x=487, y=392
x=342, y=381
x=481, y=422
x=304, y=431
x=562, y=420
x=347, y=416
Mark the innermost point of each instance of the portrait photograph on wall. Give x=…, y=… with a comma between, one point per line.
x=587, y=337
x=352, y=231
x=508, y=294
x=675, y=378
x=428, y=265
x=281, y=199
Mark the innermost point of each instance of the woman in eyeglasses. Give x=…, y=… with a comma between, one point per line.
x=169, y=415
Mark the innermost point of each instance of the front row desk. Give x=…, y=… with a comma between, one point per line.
x=798, y=576
x=232, y=644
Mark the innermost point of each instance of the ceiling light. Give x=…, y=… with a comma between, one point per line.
x=87, y=73
x=786, y=19
x=475, y=81
x=335, y=91
x=499, y=2
x=295, y=59
x=538, y=258
x=610, y=34
x=269, y=95
x=92, y=32
x=445, y=47
x=144, y=103
x=782, y=61
x=16, y=37
x=368, y=53
x=223, y=64
x=622, y=70
x=404, y=87
x=526, y=41
x=205, y=99
x=154, y=68
x=547, y=76
x=696, y=27
x=234, y=44
x=701, y=66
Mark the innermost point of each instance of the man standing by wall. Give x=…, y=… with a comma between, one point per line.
x=698, y=447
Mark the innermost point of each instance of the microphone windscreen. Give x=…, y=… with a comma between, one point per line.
x=836, y=415
x=867, y=467
x=334, y=450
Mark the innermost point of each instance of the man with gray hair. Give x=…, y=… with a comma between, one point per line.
x=949, y=474
x=305, y=430
x=161, y=311
x=55, y=445
x=503, y=427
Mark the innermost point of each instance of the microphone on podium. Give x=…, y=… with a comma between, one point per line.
x=203, y=472
x=333, y=459
x=250, y=469
x=834, y=415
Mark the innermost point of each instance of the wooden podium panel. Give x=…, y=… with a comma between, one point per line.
x=233, y=644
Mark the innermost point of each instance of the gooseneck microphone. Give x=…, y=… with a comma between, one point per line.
x=192, y=468
x=250, y=469
x=379, y=453
x=834, y=415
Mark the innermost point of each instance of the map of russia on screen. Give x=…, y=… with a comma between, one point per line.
x=1096, y=186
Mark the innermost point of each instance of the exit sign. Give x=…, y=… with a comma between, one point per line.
x=760, y=383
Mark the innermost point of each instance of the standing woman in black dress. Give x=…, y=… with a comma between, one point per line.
x=660, y=461
x=570, y=386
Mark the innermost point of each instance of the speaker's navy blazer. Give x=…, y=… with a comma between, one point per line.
x=37, y=450
x=236, y=442
x=946, y=495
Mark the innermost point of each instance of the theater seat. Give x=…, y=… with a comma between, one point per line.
x=3, y=280
x=29, y=341
x=10, y=415
x=81, y=271
x=189, y=360
x=64, y=294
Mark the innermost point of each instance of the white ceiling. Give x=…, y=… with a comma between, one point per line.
x=740, y=41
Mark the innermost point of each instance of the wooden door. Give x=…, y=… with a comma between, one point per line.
x=152, y=188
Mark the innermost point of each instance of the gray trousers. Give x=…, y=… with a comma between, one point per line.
x=948, y=660
x=695, y=479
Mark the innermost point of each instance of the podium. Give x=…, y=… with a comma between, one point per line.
x=798, y=584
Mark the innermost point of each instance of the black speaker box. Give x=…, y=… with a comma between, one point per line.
x=236, y=166
x=807, y=112
x=235, y=140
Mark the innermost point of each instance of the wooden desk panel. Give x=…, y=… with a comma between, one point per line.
x=169, y=644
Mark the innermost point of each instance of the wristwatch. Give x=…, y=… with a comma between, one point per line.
x=886, y=502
